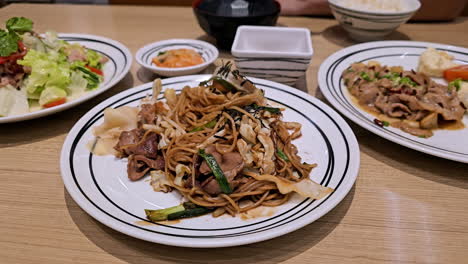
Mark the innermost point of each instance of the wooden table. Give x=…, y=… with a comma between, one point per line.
x=405, y=206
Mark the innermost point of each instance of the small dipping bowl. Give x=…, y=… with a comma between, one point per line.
x=365, y=25
x=277, y=54
x=145, y=55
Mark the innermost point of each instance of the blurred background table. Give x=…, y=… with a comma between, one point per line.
x=405, y=206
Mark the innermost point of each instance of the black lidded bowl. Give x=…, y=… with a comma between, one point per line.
x=220, y=18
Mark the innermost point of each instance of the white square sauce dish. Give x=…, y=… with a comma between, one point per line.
x=278, y=54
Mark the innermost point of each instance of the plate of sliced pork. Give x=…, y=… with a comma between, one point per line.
x=412, y=93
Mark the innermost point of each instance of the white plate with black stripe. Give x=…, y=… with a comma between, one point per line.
x=120, y=60
x=100, y=186
x=449, y=144
x=145, y=55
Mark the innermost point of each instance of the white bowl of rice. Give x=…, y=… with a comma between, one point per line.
x=367, y=20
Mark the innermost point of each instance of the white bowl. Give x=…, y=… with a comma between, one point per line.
x=278, y=54
x=145, y=55
x=365, y=25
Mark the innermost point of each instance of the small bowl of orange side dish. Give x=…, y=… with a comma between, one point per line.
x=176, y=57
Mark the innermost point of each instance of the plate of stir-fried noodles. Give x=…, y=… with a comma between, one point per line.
x=209, y=160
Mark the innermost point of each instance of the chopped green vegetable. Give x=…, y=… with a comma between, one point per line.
x=281, y=154
x=189, y=213
x=19, y=24
x=161, y=53
x=217, y=171
x=455, y=83
x=392, y=76
x=210, y=124
x=273, y=110
x=385, y=123
x=162, y=214
x=365, y=76
x=92, y=78
x=184, y=210
x=349, y=70
x=406, y=80
x=377, y=75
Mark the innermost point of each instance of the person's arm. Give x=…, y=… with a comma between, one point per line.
x=438, y=10
x=304, y=7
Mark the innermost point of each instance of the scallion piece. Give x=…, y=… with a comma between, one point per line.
x=365, y=76
x=162, y=214
x=210, y=124
x=217, y=171
x=406, y=80
x=455, y=83
x=281, y=154
x=185, y=210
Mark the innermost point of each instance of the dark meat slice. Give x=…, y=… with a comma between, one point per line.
x=128, y=140
x=385, y=83
x=231, y=164
x=139, y=165
x=448, y=108
x=129, y=143
x=398, y=110
x=136, y=170
x=147, y=114
x=149, y=146
x=369, y=93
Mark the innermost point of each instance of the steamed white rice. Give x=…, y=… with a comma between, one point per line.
x=375, y=5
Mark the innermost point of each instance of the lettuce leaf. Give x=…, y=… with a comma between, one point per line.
x=47, y=70
x=93, y=59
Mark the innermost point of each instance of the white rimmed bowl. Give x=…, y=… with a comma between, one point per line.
x=145, y=55
x=278, y=54
x=365, y=25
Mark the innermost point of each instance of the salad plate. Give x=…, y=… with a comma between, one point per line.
x=100, y=185
x=449, y=144
x=114, y=70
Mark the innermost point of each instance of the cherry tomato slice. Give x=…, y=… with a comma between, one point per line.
x=456, y=72
x=55, y=103
x=97, y=71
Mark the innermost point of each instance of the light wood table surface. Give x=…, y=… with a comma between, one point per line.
x=405, y=206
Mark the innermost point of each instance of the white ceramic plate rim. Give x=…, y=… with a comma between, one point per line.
x=181, y=69
x=348, y=178
x=401, y=136
x=87, y=96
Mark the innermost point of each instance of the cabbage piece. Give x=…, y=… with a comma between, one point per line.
x=107, y=134
x=160, y=182
x=305, y=187
x=78, y=83
x=51, y=94
x=181, y=171
x=12, y=101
